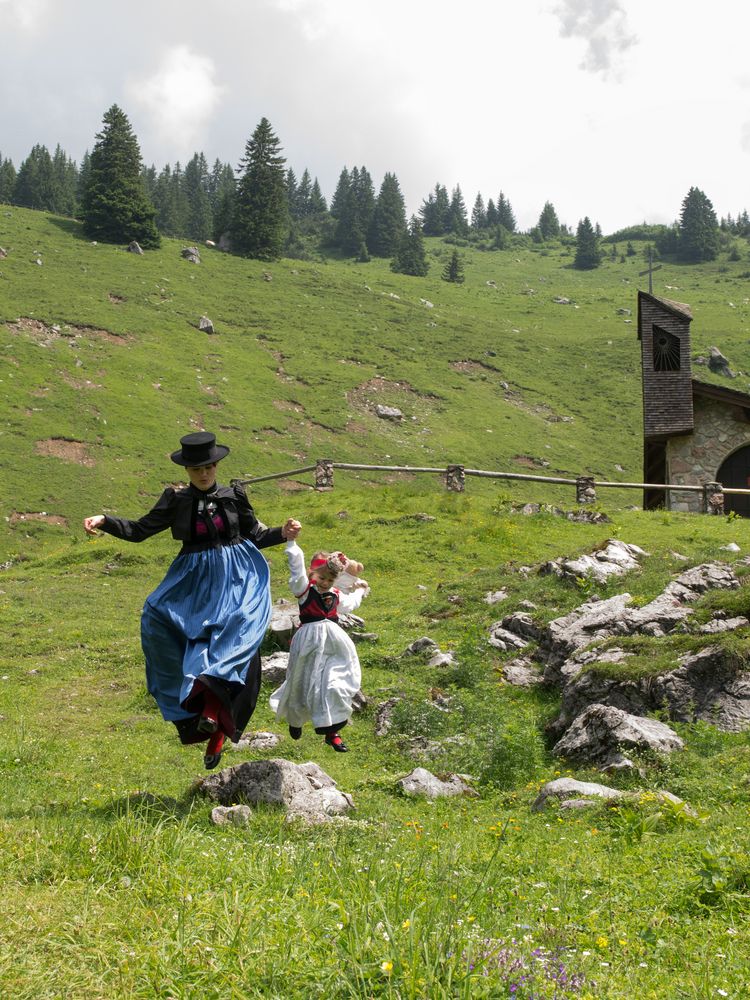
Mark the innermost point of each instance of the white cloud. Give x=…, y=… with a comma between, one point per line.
x=179, y=97
x=27, y=14
x=602, y=24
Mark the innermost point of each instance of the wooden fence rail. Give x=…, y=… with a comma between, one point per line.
x=455, y=476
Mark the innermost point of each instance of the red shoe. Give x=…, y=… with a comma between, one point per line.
x=335, y=741
x=213, y=752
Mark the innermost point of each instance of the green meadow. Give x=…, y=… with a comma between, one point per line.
x=116, y=883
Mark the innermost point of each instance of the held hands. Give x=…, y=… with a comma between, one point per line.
x=90, y=524
x=290, y=529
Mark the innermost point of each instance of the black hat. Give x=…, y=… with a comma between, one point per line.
x=199, y=449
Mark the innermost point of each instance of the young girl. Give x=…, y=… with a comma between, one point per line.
x=323, y=675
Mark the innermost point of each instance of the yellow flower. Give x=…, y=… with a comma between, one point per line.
x=601, y=941
x=406, y=925
x=386, y=967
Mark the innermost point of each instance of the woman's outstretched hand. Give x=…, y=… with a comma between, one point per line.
x=90, y=524
x=290, y=529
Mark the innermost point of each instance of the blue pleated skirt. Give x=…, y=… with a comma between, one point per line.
x=207, y=617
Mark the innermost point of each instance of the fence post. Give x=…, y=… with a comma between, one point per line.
x=455, y=478
x=713, y=498
x=585, y=490
x=324, y=474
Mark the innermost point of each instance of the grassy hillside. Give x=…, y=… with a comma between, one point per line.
x=116, y=884
x=103, y=366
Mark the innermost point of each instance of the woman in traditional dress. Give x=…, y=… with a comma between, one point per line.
x=202, y=627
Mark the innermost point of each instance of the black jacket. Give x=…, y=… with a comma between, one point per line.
x=178, y=510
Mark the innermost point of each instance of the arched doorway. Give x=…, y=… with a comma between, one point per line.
x=735, y=471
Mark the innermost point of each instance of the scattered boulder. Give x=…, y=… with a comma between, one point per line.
x=267, y=276
x=358, y=637
x=422, y=782
x=563, y=789
x=206, y=325
x=257, y=741
x=191, y=254
x=718, y=364
x=424, y=644
x=521, y=623
x=717, y=625
x=495, y=596
x=521, y=672
x=440, y=659
x=384, y=716
x=305, y=791
x=135, y=247
x=615, y=559
x=503, y=639
x=360, y=701
x=388, y=412
x=231, y=815
x=561, y=300
x=274, y=667
x=3, y=253
x=602, y=730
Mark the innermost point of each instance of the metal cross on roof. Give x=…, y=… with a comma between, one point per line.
x=650, y=270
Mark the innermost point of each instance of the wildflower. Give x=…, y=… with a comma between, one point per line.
x=386, y=967
x=602, y=942
x=406, y=924
x=722, y=993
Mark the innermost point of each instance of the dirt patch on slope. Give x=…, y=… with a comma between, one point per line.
x=45, y=334
x=17, y=517
x=66, y=449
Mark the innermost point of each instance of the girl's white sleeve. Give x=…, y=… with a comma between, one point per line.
x=298, y=581
x=350, y=602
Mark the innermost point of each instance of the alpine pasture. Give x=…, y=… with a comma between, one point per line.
x=116, y=883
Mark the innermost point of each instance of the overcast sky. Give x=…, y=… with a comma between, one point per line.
x=608, y=108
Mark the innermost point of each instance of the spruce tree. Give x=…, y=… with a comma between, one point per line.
x=549, y=224
x=491, y=215
x=458, y=224
x=7, y=181
x=115, y=207
x=698, y=236
x=301, y=204
x=36, y=183
x=454, y=269
x=199, y=222
x=222, y=189
x=478, y=214
x=411, y=257
x=435, y=212
x=340, y=195
x=318, y=204
x=260, y=219
x=388, y=220
x=505, y=215
x=291, y=193
x=588, y=255
x=66, y=183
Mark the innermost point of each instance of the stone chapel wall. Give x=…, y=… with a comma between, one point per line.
x=693, y=459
